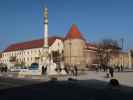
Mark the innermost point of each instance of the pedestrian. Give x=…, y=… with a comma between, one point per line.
x=121, y=68
x=66, y=70
x=43, y=70
x=107, y=74
x=100, y=67
x=72, y=70
x=104, y=68
x=5, y=68
x=111, y=71
x=118, y=68
x=76, y=70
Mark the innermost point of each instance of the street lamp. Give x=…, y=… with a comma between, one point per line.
x=70, y=49
x=122, y=57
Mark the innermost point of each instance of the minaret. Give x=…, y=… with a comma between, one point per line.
x=45, y=27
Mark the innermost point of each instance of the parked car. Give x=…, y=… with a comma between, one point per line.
x=15, y=69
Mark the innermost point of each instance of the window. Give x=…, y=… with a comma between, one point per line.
x=27, y=52
x=38, y=51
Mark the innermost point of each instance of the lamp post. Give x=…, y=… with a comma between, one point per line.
x=70, y=49
x=122, y=57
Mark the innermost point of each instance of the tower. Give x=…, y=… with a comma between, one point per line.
x=45, y=27
x=74, y=44
x=45, y=54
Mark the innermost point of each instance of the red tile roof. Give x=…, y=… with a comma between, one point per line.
x=30, y=44
x=74, y=33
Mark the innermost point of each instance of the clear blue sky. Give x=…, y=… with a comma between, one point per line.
x=22, y=20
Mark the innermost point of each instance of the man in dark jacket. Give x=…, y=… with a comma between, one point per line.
x=111, y=71
x=76, y=70
x=43, y=71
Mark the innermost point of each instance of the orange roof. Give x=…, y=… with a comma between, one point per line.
x=30, y=44
x=74, y=33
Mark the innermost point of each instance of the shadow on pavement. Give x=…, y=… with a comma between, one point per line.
x=70, y=90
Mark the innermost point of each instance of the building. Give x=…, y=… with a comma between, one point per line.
x=70, y=50
x=73, y=48
x=0, y=57
x=30, y=51
x=76, y=50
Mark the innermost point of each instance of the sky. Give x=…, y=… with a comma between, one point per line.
x=22, y=20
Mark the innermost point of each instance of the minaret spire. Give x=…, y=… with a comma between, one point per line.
x=46, y=27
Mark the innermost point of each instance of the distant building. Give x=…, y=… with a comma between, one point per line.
x=70, y=50
x=0, y=57
x=76, y=50
x=30, y=51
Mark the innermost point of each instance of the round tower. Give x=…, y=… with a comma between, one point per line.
x=74, y=45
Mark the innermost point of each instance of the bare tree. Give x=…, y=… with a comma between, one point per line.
x=105, y=49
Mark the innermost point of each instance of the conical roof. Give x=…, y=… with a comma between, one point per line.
x=74, y=33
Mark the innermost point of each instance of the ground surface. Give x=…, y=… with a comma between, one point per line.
x=90, y=86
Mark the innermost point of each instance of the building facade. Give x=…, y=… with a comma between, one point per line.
x=30, y=52
x=70, y=50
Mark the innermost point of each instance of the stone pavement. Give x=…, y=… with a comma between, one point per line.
x=125, y=78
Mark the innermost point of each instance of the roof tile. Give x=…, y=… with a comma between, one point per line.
x=30, y=44
x=74, y=33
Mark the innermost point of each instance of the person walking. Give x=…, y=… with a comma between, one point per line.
x=72, y=70
x=43, y=70
x=5, y=68
x=111, y=71
x=66, y=70
x=121, y=68
x=76, y=70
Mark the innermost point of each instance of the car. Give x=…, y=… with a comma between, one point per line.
x=15, y=69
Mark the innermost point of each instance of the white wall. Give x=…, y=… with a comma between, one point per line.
x=29, y=55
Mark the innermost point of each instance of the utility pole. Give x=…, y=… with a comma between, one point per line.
x=122, y=57
x=70, y=50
